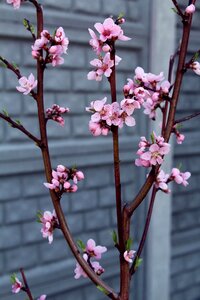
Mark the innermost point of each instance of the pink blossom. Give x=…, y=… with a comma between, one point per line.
x=55, y=113
x=95, y=265
x=42, y=297
x=93, y=250
x=180, y=138
x=95, y=42
x=103, y=66
x=55, y=54
x=190, y=9
x=27, y=84
x=16, y=3
x=129, y=105
x=165, y=86
x=161, y=181
x=98, y=128
x=49, y=223
x=129, y=255
x=196, y=67
x=109, y=30
x=179, y=177
x=61, y=38
x=16, y=286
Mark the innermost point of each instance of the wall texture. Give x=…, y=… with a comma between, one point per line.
x=90, y=212
x=185, y=264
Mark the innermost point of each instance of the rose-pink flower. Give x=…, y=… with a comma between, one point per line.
x=190, y=9
x=49, y=222
x=94, y=250
x=129, y=255
x=16, y=3
x=161, y=181
x=27, y=84
x=16, y=286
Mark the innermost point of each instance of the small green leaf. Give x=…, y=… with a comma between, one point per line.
x=5, y=112
x=81, y=245
x=179, y=166
x=114, y=237
x=39, y=216
x=26, y=23
x=121, y=15
x=174, y=10
x=138, y=262
x=128, y=244
x=12, y=278
x=196, y=55
x=102, y=289
x=152, y=138
x=18, y=122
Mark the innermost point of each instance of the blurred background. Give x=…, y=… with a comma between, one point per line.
x=171, y=263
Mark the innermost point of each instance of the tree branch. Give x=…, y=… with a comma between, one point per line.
x=21, y=128
x=26, y=287
x=187, y=118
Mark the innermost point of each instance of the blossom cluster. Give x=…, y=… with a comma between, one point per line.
x=106, y=115
x=49, y=224
x=54, y=46
x=26, y=84
x=109, y=31
x=65, y=180
x=55, y=113
x=148, y=89
x=176, y=175
x=17, y=286
x=151, y=153
x=91, y=251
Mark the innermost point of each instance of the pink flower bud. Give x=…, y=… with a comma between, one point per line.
x=190, y=9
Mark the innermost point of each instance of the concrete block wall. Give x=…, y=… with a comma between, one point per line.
x=90, y=212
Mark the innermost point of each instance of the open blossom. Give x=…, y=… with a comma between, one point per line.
x=161, y=181
x=95, y=265
x=196, y=67
x=65, y=180
x=179, y=177
x=55, y=113
x=105, y=115
x=49, y=223
x=129, y=255
x=110, y=30
x=27, y=84
x=42, y=297
x=93, y=250
x=17, y=285
x=103, y=67
x=54, y=46
x=156, y=150
x=16, y=3
x=190, y=9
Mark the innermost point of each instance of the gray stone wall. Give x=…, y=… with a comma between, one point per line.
x=185, y=264
x=90, y=212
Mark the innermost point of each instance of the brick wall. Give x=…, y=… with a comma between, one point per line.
x=90, y=212
x=185, y=274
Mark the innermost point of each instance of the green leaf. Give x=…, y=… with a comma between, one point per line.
x=18, y=122
x=102, y=289
x=128, y=244
x=12, y=278
x=174, y=10
x=138, y=262
x=179, y=166
x=15, y=65
x=152, y=138
x=121, y=15
x=28, y=26
x=39, y=216
x=26, y=23
x=81, y=245
x=196, y=55
x=114, y=237
x=5, y=112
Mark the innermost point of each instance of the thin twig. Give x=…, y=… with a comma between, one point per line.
x=11, y=67
x=179, y=11
x=21, y=128
x=26, y=287
x=146, y=228
x=186, y=118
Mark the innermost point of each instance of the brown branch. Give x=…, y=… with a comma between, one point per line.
x=11, y=67
x=179, y=11
x=186, y=118
x=26, y=288
x=146, y=228
x=48, y=169
x=21, y=128
x=112, y=81
x=179, y=76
